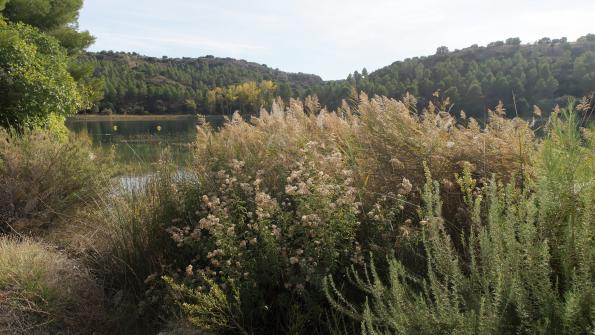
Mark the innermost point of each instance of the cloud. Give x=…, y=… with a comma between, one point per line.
x=184, y=41
x=328, y=37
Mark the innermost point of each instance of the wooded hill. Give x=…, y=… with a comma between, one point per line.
x=139, y=85
x=543, y=73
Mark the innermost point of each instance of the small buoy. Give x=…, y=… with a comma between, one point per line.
x=158, y=128
x=115, y=128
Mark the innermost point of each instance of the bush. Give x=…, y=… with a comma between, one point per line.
x=524, y=266
x=43, y=178
x=273, y=248
x=131, y=248
x=42, y=291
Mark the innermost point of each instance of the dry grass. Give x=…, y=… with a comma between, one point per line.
x=381, y=140
x=43, y=178
x=42, y=291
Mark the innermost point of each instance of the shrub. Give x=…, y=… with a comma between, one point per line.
x=43, y=178
x=295, y=195
x=42, y=291
x=525, y=265
x=273, y=248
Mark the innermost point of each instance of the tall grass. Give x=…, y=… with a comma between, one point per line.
x=43, y=178
x=42, y=291
x=525, y=265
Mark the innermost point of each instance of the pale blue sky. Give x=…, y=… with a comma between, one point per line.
x=330, y=38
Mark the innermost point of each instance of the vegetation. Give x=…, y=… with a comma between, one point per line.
x=44, y=178
x=516, y=268
x=248, y=239
x=42, y=291
x=136, y=84
x=544, y=73
x=276, y=205
x=40, y=73
x=520, y=75
x=381, y=216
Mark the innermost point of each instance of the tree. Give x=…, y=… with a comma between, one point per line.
x=584, y=69
x=34, y=78
x=284, y=91
x=587, y=38
x=364, y=72
x=190, y=105
x=442, y=50
x=473, y=98
x=57, y=18
x=513, y=41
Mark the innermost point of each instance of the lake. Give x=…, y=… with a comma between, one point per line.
x=141, y=139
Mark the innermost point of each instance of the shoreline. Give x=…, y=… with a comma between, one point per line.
x=125, y=117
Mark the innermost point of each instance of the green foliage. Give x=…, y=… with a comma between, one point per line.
x=211, y=308
x=476, y=77
x=44, y=14
x=57, y=18
x=135, y=84
x=39, y=41
x=34, y=78
x=524, y=265
x=57, y=127
x=520, y=75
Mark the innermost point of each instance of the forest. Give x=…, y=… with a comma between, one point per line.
x=370, y=206
x=543, y=74
x=142, y=85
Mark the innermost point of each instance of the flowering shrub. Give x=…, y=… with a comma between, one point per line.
x=384, y=142
x=274, y=247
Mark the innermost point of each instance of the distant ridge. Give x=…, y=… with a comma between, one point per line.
x=544, y=73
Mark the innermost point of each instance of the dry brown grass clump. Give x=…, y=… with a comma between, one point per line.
x=42, y=291
x=44, y=177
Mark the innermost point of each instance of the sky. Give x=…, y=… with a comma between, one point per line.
x=330, y=38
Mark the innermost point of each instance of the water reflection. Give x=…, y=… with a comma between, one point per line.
x=142, y=141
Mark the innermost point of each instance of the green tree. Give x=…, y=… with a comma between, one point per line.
x=34, y=78
x=584, y=69
x=58, y=18
x=284, y=91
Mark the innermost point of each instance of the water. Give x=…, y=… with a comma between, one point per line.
x=141, y=140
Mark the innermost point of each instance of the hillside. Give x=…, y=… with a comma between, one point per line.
x=138, y=85
x=543, y=73
x=475, y=78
